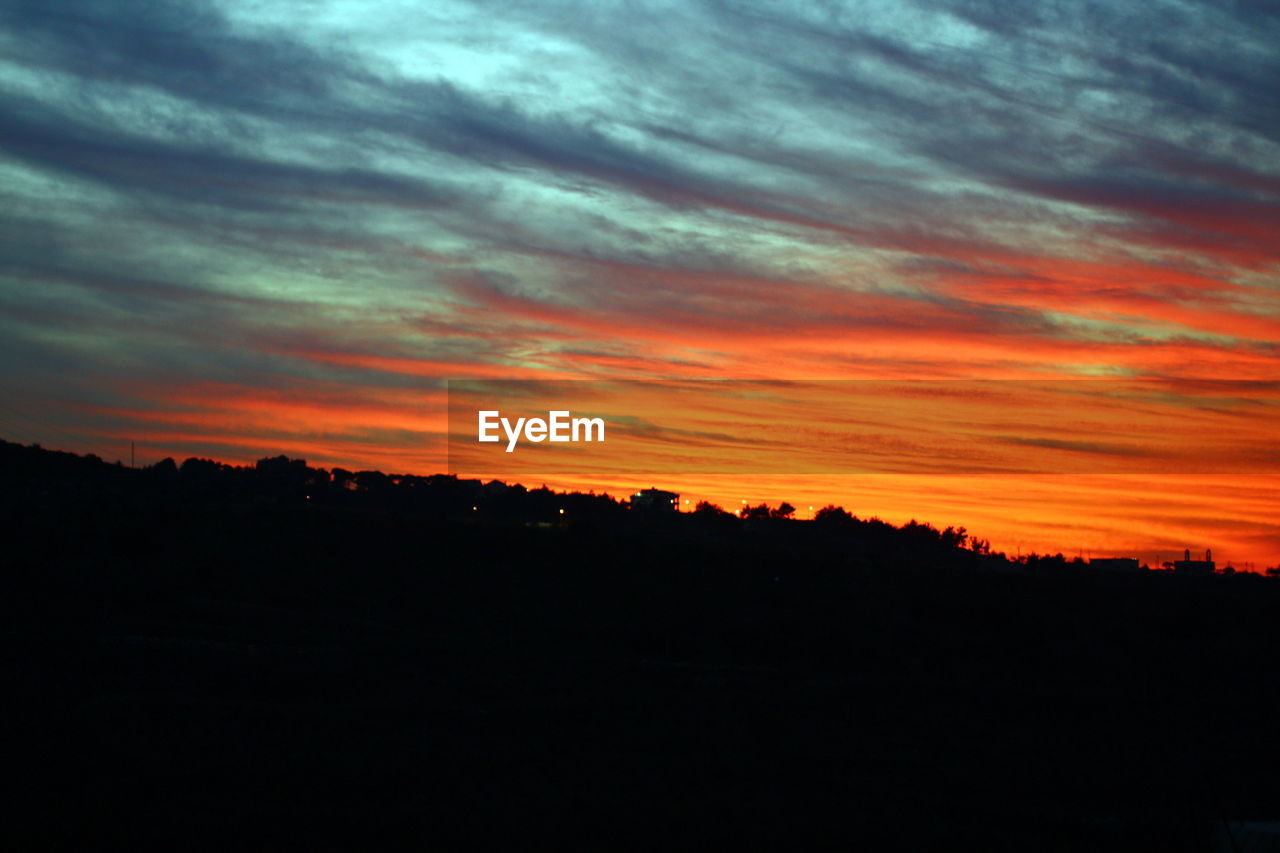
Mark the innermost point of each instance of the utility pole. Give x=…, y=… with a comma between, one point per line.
x=132, y=461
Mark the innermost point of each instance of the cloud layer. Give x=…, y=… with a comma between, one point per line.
x=237, y=228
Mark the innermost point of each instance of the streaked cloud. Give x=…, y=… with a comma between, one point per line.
x=215, y=215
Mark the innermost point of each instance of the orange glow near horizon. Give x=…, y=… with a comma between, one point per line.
x=1140, y=513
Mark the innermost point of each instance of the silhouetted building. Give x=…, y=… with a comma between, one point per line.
x=655, y=500
x=1114, y=564
x=1195, y=567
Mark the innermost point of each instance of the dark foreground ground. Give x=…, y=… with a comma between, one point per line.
x=268, y=679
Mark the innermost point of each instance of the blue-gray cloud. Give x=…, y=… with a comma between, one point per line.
x=220, y=192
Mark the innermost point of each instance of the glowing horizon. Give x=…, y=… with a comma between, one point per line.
x=235, y=230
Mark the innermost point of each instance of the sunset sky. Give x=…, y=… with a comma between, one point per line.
x=234, y=229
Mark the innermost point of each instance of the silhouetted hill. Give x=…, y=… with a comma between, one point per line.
x=58, y=484
x=205, y=657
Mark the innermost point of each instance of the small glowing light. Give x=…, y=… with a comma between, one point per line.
x=474, y=508
x=562, y=512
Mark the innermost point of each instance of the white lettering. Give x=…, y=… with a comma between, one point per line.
x=512, y=434
x=558, y=426
x=587, y=424
x=488, y=422
x=559, y=422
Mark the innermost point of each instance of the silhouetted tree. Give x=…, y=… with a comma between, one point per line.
x=760, y=511
x=1045, y=563
x=370, y=480
x=953, y=537
x=343, y=479
x=283, y=466
x=834, y=515
x=194, y=467
x=709, y=510
x=784, y=510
